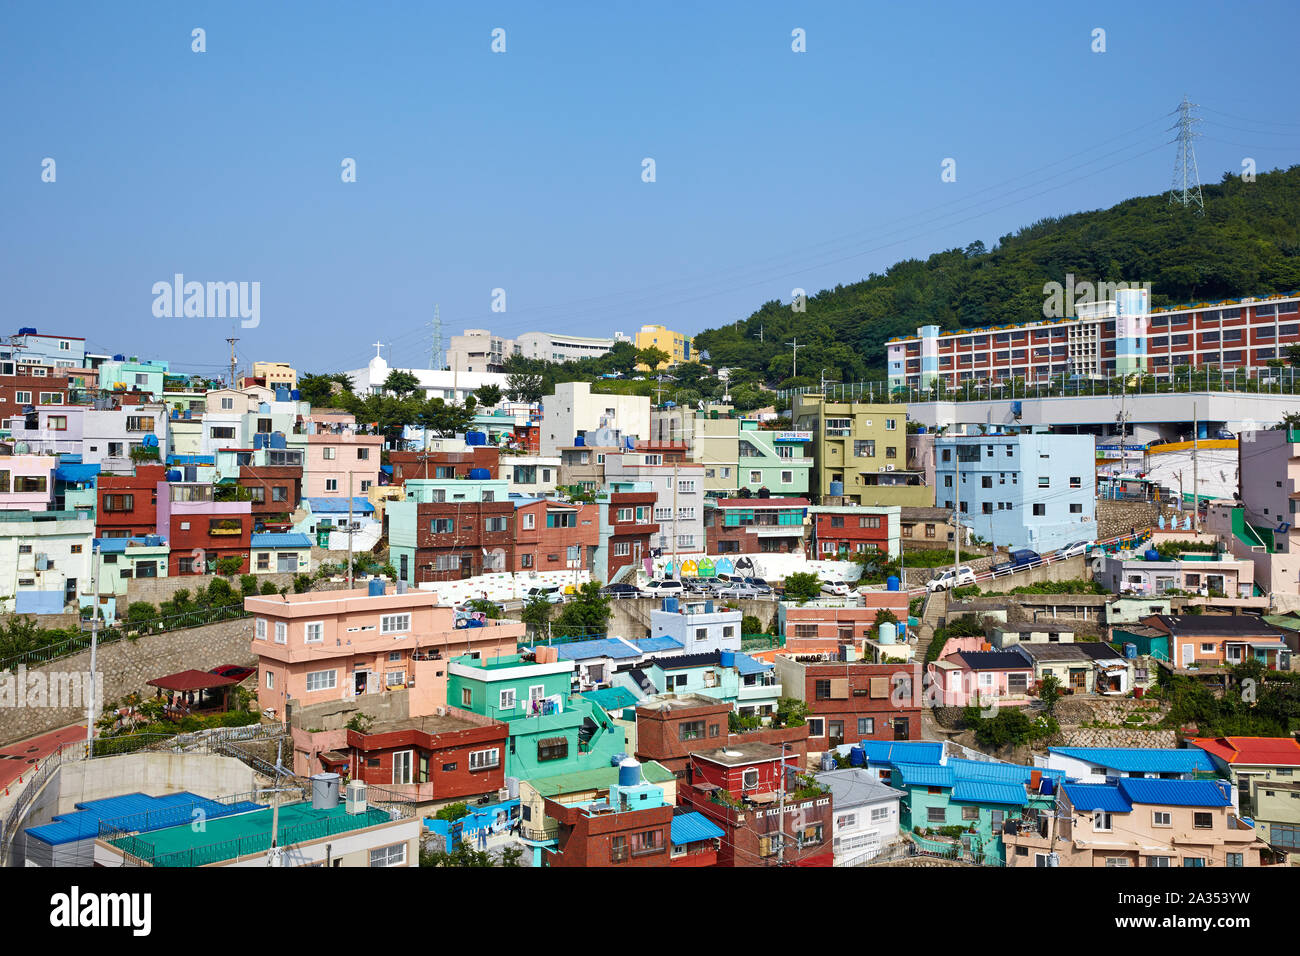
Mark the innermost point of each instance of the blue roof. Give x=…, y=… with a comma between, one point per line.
x=119, y=545
x=925, y=775
x=1141, y=759
x=1174, y=793
x=989, y=791
x=748, y=665
x=605, y=647
x=1097, y=796
x=338, y=505
x=280, y=541
x=133, y=811
x=653, y=645
x=999, y=772
x=76, y=472
x=611, y=699
x=903, y=751
x=694, y=827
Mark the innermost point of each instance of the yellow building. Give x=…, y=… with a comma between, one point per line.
x=275, y=374
x=677, y=346
x=860, y=452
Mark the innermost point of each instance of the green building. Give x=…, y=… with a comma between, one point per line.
x=552, y=730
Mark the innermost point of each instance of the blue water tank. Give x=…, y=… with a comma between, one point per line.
x=708, y=607
x=116, y=358
x=888, y=633
x=858, y=756
x=670, y=605
x=837, y=487
x=892, y=583
x=727, y=659
x=29, y=330
x=629, y=773
x=294, y=395
x=617, y=759
x=277, y=440
x=475, y=438
x=281, y=394
x=259, y=440
x=149, y=441
x=480, y=474
x=1130, y=650
x=1047, y=787
x=174, y=474
x=376, y=588
x=1151, y=555
x=921, y=430
x=579, y=441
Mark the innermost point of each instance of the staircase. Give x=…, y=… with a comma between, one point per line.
x=936, y=607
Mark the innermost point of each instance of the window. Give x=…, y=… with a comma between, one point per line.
x=1194, y=861
x=394, y=855
x=1161, y=818
x=259, y=629
x=394, y=623
x=1117, y=861
x=322, y=680
x=816, y=727
x=57, y=423
x=936, y=814
x=864, y=448
x=866, y=726
x=1203, y=821
x=749, y=778
x=443, y=525
x=1236, y=859
x=506, y=701
x=561, y=519
x=494, y=524
x=552, y=748
x=331, y=484
x=1044, y=481
x=484, y=759
x=1101, y=821
x=264, y=561
x=314, y=632
x=119, y=502
x=823, y=689
x=270, y=680
x=363, y=454
x=281, y=632
x=1040, y=510
x=328, y=452
x=1157, y=861
x=690, y=730
x=872, y=521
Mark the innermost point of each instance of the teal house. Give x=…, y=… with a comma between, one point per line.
x=966, y=804
x=552, y=729
x=729, y=676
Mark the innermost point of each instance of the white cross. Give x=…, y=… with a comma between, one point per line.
x=378, y=346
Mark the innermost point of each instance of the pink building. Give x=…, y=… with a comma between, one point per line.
x=27, y=482
x=969, y=672
x=339, y=645
x=336, y=449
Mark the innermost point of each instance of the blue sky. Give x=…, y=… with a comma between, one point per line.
x=522, y=170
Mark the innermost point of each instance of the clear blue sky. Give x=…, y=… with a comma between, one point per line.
x=523, y=170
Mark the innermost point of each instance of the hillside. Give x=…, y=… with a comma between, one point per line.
x=1248, y=243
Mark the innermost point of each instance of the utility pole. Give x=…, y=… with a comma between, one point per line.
x=794, y=367
x=1123, y=422
x=956, y=511
x=676, y=564
x=1196, y=481
x=349, y=531
x=232, y=340
x=780, y=852
x=94, y=638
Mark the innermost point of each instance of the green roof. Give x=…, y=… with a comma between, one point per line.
x=600, y=779
x=244, y=834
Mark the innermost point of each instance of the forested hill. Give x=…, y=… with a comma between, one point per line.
x=1247, y=243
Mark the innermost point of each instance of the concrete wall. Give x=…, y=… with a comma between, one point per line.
x=126, y=665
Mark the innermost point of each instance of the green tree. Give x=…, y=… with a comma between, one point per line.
x=488, y=608
x=536, y=614
x=401, y=383
x=444, y=419
x=802, y=586
x=1049, y=691
x=525, y=388
x=586, y=614
x=489, y=396
x=652, y=357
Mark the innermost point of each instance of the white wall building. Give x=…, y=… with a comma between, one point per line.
x=573, y=410
x=532, y=476
x=699, y=626
x=553, y=347
x=451, y=386
x=866, y=814
x=45, y=560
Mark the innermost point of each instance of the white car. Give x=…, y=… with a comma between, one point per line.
x=947, y=579
x=552, y=595
x=664, y=588
x=836, y=587
x=1072, y=549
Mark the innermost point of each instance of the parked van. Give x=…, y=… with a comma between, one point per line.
x=1020, y=558
x=552, y=594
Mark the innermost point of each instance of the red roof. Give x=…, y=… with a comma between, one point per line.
x=1252, y=751
x=191, y=680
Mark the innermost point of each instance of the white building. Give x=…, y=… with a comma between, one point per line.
x=573, y=410
x=553, y=347
x=699, y=626
x=478, y=350
x=45, y=560
x=451, y=386
x=532, y=476
x=681, y=531
x=866, y=814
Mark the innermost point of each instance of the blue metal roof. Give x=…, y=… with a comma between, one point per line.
x=76, y=472
x=134, y=811
x=1141, y=759
x=925, y=775
x=653, y=645
x=339, y=505
x=605, y=647
x=1174, y=793
x=612, y=699
x=694, y=827
x=903, y=751
x=1097, y=796
x=119, y=545
x=989, y=791
x=999, y=772
x=280, y=541
x=748, y=665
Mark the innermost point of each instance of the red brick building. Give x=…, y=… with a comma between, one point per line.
x=276, y=492
x=738, y=787
x=848, y=530
x=452, y=536
x=756, y=525
x=200, y=530
x=437, y=463
x=627, y=527
x=592, y=835
x=671, y=727
x=551, y=535
x=850, y=701
x=28, y=383
x=127, y=505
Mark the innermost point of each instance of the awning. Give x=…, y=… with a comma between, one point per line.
x=334, y=758
x=191, y=680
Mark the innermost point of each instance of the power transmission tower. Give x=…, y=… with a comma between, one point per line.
x=435, y=355
x=1185, y=171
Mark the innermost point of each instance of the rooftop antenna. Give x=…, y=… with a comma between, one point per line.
x=1185, y=166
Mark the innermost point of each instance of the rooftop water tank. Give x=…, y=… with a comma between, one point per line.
x=475, y=438
x=858, y=756
x=617, y=759
x=579, y=441
x=708, y=607
x=480, y=474
x=629, y=773
x=324, y=791
x=892, y=583
x=376, y=587
x=173, y=474
x=1151, y=555
x=727, y=658
x=1130, y=650
x=295, y=395
x=276, y=440
x=281, y=394
x=27, y=330
x=888, y=633
x=837, y=488
x=670, y=605
x=149, y=441
x=116, y=358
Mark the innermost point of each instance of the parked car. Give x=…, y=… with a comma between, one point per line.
x=835, y=586
x=233, y=670
x=1073, y=549
x=552, y=594
x=697, y=585
x=619, y=591
x=948, y=579
x=740, y=589
x=1020, y=558
x=668, y=587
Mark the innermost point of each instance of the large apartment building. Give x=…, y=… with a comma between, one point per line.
x=1121, y=335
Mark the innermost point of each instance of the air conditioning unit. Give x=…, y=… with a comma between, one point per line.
x=355, y=797
x=503, y=794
